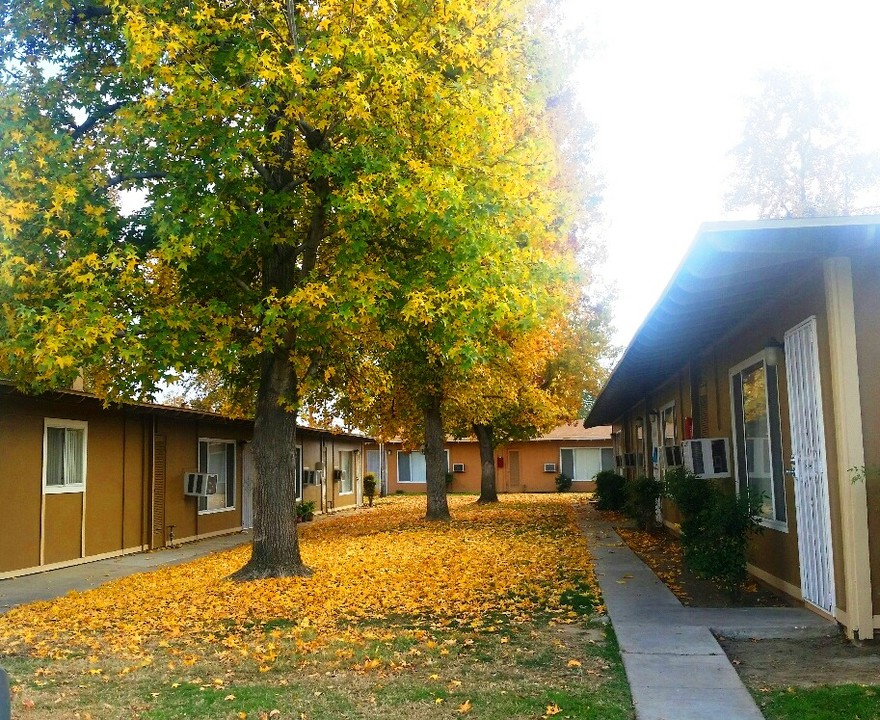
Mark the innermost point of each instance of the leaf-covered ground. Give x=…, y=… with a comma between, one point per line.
x=488, y=616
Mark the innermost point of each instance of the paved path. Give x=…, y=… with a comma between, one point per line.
x=54, y=583
x=675, y=667
x=88, y=575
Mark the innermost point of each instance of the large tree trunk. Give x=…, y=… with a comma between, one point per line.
x=275, y=551
x=486, y=441
x=435, y=462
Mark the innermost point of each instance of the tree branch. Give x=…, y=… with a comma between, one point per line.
x=290, y=17
x=119, y=179
x=88, y=12
x=97, y=117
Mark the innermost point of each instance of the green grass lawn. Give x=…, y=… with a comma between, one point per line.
x=841, y=702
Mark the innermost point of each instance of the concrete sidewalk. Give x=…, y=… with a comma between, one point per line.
x=675, y=667
x=54, y=583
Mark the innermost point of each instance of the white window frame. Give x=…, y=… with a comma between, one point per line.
x=769, y=522
x=417, y=482
x=342, y=471
x=575, y=448
x=234, y=444
x=71, y=425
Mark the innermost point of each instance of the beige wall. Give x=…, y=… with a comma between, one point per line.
x=532, y=457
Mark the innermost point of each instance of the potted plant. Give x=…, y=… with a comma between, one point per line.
x=305, y=510
x=370, y=487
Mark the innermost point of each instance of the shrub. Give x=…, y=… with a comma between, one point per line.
x=563, y=483
x=370, y=487
x=610, y=490
x=690, y=493
x=305, y=510
x=715, y=528
x=642, y=495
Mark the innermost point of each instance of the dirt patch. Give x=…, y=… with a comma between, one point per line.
x=805, y=662
x=662, y=552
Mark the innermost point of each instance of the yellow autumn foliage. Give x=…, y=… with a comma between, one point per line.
x=377, y=574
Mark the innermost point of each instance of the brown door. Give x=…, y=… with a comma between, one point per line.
x=514, y=471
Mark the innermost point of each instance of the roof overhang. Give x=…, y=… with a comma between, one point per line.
x=729, y=272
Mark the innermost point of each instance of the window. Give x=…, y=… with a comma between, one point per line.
x=758, y=437
x=374, y=462
x=411, y=467
x=218, y=457
x=584, y=463
x=64, y=455
x=346, y=465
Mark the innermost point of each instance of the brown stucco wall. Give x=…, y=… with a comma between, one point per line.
x=62, y=529
x=105, y=483
x=866, y=295
x=21, y=451
x=775, y=551
x=113, y=495
x=118, y=501
x=182, y=438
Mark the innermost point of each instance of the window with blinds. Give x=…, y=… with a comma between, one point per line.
x=64, y=455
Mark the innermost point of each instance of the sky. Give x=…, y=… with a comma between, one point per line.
x=665, y=85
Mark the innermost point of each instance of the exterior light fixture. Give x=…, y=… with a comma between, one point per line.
x=774, y=352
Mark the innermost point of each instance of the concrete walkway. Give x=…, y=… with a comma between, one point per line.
x=54, y=583
x=675, y=667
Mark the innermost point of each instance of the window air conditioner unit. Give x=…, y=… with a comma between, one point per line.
x=458, y=467
x=672, y=455
x=707, y=457
x=550, y=467
x=199, y=484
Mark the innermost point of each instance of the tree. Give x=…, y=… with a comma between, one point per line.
x=796, y=158
x=538, y=386
x=275, y=145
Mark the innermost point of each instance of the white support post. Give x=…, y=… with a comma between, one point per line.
x=850, y=446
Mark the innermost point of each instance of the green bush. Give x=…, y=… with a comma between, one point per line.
x=610, y=490
x=690, y=493
x=563, y=483
x=370, y=487
x=305, y=510
x=715, y=528
x=642, y=495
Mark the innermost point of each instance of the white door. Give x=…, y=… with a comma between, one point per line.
x=247, y=488
x=809, y=465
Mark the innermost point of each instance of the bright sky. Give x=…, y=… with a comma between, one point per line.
x=665, y=84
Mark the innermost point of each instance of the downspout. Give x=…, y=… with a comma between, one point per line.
x=124, y=454
x=322, y=496
x=383, y=486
